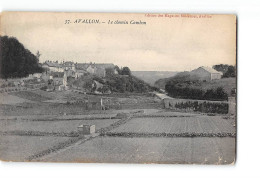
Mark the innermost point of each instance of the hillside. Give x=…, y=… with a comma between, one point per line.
x=151, y=77
x=226, y=83
x=186, y=79
x=113, y=83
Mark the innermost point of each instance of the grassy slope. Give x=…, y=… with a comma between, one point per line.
x=226, y=83
x=114, y=82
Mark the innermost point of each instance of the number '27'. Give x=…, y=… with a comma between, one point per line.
x=67, y=21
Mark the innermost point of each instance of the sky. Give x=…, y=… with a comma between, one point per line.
x=167, y=42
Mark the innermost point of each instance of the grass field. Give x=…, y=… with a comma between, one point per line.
x=195, y=124
x=30, y=96
x=151, y=150
x=18, y=148
x=51, y=126
x=6, y=99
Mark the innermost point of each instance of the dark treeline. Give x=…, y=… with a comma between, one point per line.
x=122, y=71
x=205, y=107
x=15, y=60
x=227, y=70
x=123, y=84
x=175, y=91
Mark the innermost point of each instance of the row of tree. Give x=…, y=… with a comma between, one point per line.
x=227, y=70
x=15, y=60
x=175, y=91
x=205, y=107
x=120, y=71
x=127, y=84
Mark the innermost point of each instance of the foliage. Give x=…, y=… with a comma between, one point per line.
x=110, y=71
x=231, y=72
x=205, y=107
x=227, y=70
x=122, y=84
x=181, y=77
x=118, y=69
x=126, y=71
x=57, y=74
x=38, y=56
x=178, y=91
x=114, y=83
x=16, y=61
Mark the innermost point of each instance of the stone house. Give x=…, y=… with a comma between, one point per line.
x=206, y=73
x=68, y=65
x=79, y=73
x=52, y=66
x=91, y=69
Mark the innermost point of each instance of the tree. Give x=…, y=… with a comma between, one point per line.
x=15, y=60
x=227, y=70
x=126, y=71
x=221, y=67
x=231, y=72
x=38, y=55
x=117, y=69
x=110, y=71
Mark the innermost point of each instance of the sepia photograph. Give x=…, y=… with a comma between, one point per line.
x=146, y=88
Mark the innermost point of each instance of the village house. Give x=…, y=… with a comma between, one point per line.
x=97, y=69
x=79, y=73
x=53, y=66
x=37, y=75
x=79, y=69
x=91, y=68
x=68, y=65
x=101, y=72
x=207, y=73
x=70, y=73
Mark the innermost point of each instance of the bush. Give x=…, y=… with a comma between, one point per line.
x=178, y=91
x=16, y=60
x=205, y=107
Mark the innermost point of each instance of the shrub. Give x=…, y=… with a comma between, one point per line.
x=205, y=107
x=178, y=91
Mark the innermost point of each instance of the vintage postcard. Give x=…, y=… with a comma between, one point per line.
x=118, y=88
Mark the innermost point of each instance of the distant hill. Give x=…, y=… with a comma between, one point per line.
x=151, y=77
